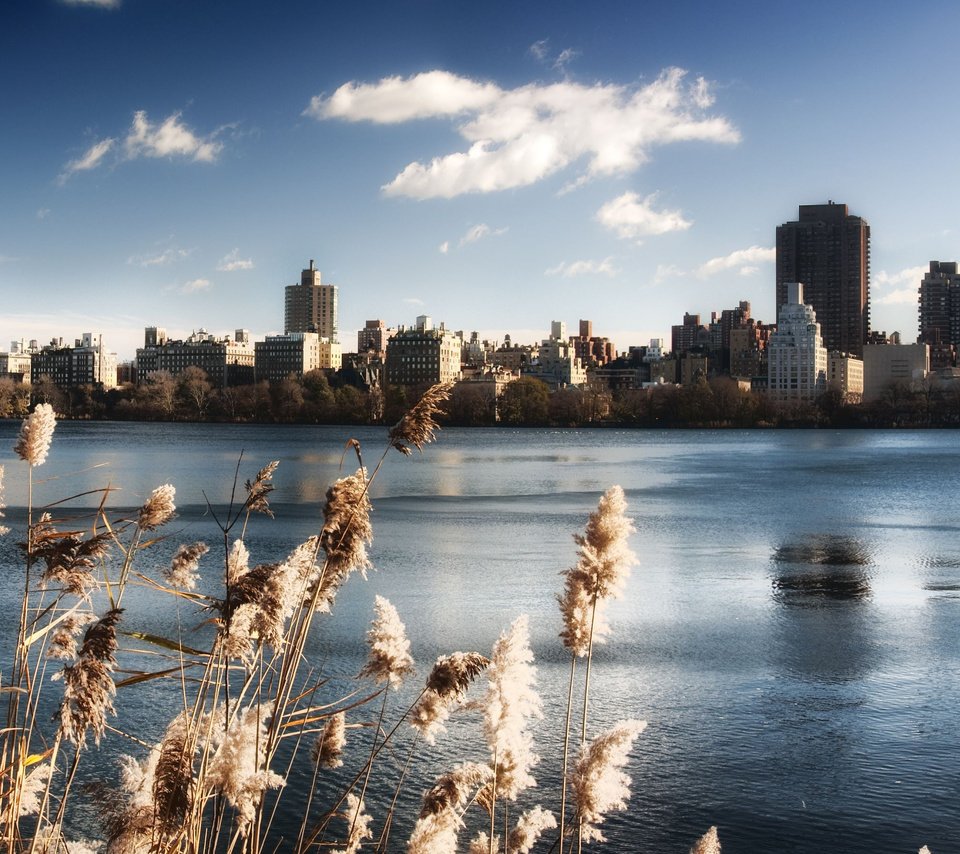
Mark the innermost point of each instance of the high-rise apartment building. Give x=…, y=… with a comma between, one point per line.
x=311, y=306
x=940, y=312
x=828, y=249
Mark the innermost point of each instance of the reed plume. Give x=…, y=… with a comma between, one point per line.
x=602, y=567
x=346, y=527
x=328, y=746
x=185, y=565
x=260, y=488
x=528, y=829
x=36, y=434
x=34, y=785
x=439, y=824
x=88, y=686
x=359, y=822
x=63, y=642
x=238, y=769
x=511, y=700
x=389, y=659
x=3, y=506
x=418, y=425
x=447, y=683
x=598, y=783
x=69, y=557
x=158, y=509
x=709, y=843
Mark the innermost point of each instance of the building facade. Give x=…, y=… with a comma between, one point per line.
x=226, y=361
x=828, y=249
x=311, y=306
x=423, y=355
x=888, y=366
x=940, y=313
x=797, y=361
x=87, y=362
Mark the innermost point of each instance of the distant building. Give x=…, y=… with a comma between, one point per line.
x=15, y=364
x=893, y=365
x=748, y=350
x=311, y=306
x=845, y=373
x=557, y=363
x=423, y=355
x=226, y=361
x=940, y=313
x=87, y=362
x=373, y=337
x=592, y=350
x=797, y=361
x=280, y=356
x=828, y=249
x=687, y=335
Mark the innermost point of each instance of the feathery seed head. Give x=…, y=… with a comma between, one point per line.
x=454, y=789
x=238, y=562
x=182, y=572
x=598, y=784
x=359, y=822
x=528, y=830
x=88, y=686
x=389, y=659
x=173, y=783
x=260, y=488
x=418, y=425
x=328, y=747
x=709, y=843
x=63, y=642
x=346, y=526
x=448, y=681
x=158, y=509
x=69, y=558
x=36, y=434
x=603, y=565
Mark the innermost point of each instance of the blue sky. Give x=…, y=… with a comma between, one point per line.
x=496, y=166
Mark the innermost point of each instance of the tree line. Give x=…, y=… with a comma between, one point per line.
x=526, y=402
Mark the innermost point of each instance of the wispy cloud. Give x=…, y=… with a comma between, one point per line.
x=102, y=4
x=444, y=247
x=91, y=159
x=170, y=138
x=666, y=272
x=43, y=213
x=479, y=232
x=583, y=268
x=632, y=217
x=744, y=261
x=905, y=285
x=194, y=285
x=413, y=301
x=540, y=51
x=159, y=259
x=519, y=136
x=232, y=261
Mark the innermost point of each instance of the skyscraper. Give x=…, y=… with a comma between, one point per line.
x=311, y=306
x=940, y=312
x=828, y=250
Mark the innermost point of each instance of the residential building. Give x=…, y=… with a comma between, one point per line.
x=423, y=355
x=311, y=306
x=688, y=335
x=15, y=364
x=557, y=363
x=940, y=313
x=828, y=249
x=893, y=366
x=87, y=362
x=592, y=350
x=797, y=361
x=280, y=356
x=748, y=350
x=845, y=374
x=226, y=361
x=373, y=337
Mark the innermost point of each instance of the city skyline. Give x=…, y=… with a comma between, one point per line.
x=176, y=164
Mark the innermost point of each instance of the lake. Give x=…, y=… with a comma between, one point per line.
x=791, y=633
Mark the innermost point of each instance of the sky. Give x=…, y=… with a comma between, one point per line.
x=496, y=166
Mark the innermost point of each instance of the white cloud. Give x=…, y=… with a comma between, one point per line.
x=444, y=247
x=43, y=213
x=194, y=285
x=911, y=275
x=160, y=259
x=102, y=4
x=90, y=160
x=632, y=217
x=168, y=139
x=478, y=232
x=413, y=301
x=743, y=260
x=519, y=136
x=539, y=49
x=903, y=296
x=583, y=268
x=232, y=261
x=564, y=58
x=667, y=271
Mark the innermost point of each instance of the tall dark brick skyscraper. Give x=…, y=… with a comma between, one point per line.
x=828, y=250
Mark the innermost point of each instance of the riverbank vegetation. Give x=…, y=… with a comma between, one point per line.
x=254, y=731
x=527, y=402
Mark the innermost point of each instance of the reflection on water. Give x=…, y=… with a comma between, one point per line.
x=822, y=567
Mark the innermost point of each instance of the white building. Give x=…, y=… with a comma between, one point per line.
x=888, y=365
x=797, y=359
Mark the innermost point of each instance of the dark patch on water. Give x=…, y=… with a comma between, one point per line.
x=822, y=567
